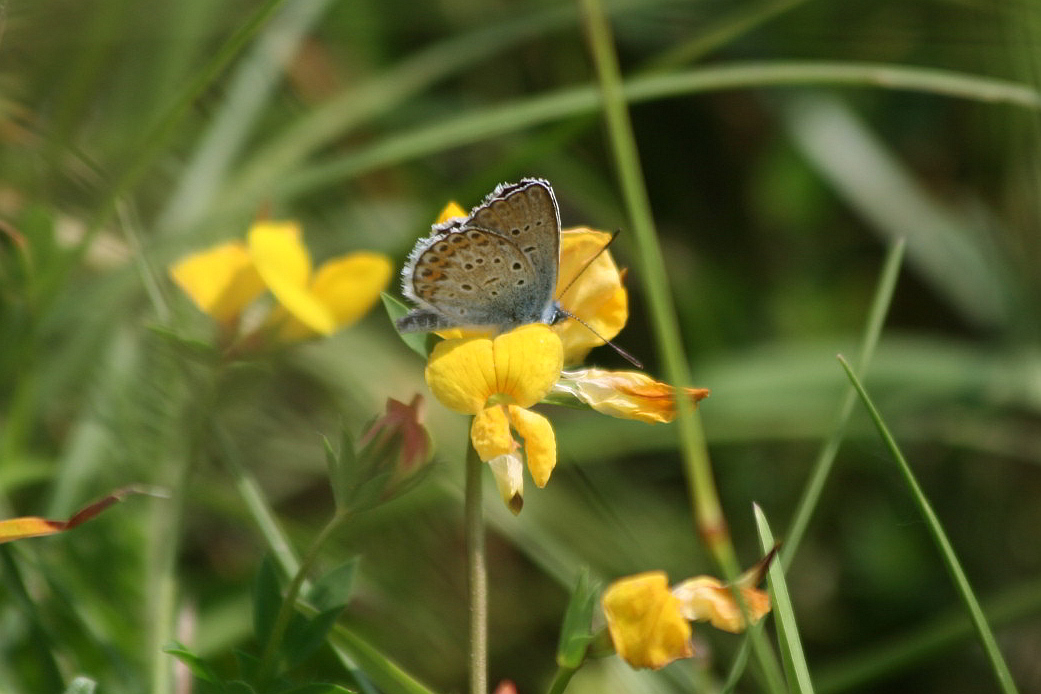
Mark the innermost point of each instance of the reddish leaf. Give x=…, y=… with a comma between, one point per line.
x=34, y=526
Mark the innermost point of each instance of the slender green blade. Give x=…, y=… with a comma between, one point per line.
x=792, y=655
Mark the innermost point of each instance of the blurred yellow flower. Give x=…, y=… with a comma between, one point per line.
x=225, y=280
x=221, y=280
x=648, y=622
x=496, y=380
x=624, y=394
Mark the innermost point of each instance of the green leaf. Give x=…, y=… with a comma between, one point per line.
x=787, y=631
x=333, y=589
x=575, y=630
x=81, y=685
x=420, y=343
x=194, y=663
x=304, y=636
x=267, y=600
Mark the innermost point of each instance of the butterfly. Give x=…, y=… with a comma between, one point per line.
x=495, y=268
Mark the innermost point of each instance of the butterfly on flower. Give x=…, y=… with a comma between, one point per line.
x=495, y=268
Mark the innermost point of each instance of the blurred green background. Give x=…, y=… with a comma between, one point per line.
x=134, y=131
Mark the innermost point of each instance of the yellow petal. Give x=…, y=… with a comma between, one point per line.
x=509, y=479
x=490, y=433
x=347, y=287
x=540, y=443
x=221, y=281
x=518, y=367
x=451, y=211
x=644, y=620
x=625, y=394
x=528, y=360
x=705, y=598
x=596, y=294
x=285, y=266
x=461, y=374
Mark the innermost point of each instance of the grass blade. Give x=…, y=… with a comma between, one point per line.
x=961, y=582
x=787, y=631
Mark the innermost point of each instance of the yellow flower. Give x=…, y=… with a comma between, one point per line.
x=648, y=622
x=221, y=280
x=496, y=380
x=589, y=286
x=624, y=394
x=225, y=280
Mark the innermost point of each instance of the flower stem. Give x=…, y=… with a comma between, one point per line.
x=477, y=573
x=561, y=680
x=709, y=519
x=169, y=520
x=285, y=612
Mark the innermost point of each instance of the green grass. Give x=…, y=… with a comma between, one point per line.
x=792, y=180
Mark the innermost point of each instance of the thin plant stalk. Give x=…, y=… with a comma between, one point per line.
x=822, y=468
x=170, y=520
x=950, y=560
x=477, y=572
x=709, y=519
x=288, y=608
x=348, y=646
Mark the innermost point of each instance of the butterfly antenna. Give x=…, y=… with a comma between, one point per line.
x=621, y=352
x=588, y=263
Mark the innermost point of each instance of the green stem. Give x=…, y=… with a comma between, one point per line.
x=561, y=680
x=170, y=519
x=708, y=512
x=352, y=651
x=954, y=568
x=251, y=493
x=477, y=572
x=821, y=469
x=826, y=458
x=269, y=657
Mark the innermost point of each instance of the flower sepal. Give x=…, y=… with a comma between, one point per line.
x=575, y=631
x=420, y=343
x=391, y=457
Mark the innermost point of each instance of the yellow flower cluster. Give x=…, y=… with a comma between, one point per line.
x=225, y=280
